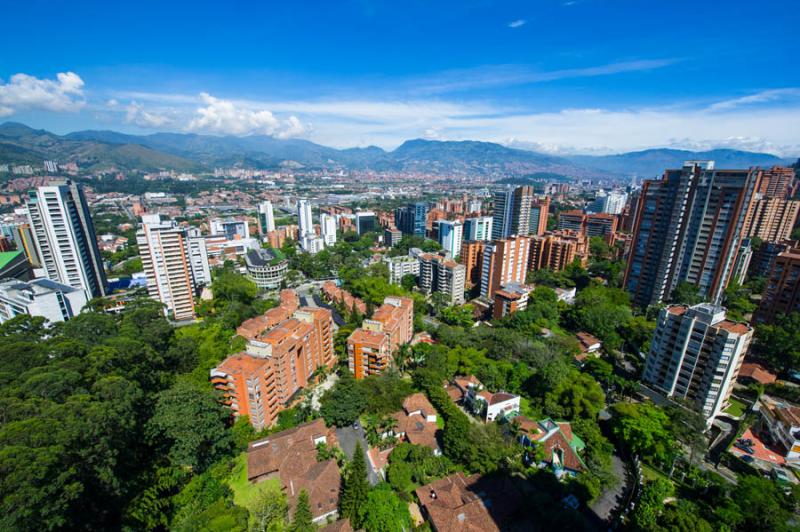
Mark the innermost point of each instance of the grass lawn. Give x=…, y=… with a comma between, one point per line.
x=440, y=421
x=737, y=408
x=650, y=473
x=244, y=492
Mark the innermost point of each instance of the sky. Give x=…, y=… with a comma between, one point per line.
x=558, y=76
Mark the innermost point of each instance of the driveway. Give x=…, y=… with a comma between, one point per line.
x=348, y=437
x=321, y=388
x=608, y=501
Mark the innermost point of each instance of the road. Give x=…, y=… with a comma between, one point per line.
x=608, y=501
x=348, y=437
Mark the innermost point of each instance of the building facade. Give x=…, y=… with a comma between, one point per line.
x=782, y=295
x=477, y=228
x=450, y=236
x=327, y=224
x=266, y=267
x=512, y=212
x=504, y=261
x=412, y=219
x=48, y=299
x=266, y=218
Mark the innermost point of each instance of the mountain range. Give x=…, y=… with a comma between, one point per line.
x=102, y=150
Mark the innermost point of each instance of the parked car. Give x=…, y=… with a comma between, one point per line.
x=745, y=448
x=747, y=459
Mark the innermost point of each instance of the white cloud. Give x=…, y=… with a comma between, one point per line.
x=229, y=117
x=24, y=92
x=136, y=114
x=765, y=96
x=517, y=23
x=293, y=127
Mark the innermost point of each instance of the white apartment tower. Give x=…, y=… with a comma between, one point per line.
x=450, y=236
x=305, y=222
x=696, y=355
x=64, y=232
x=266, y=218
x=174, y=268
x=327, y=224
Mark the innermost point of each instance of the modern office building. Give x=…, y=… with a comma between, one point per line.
x=688, y=229
x=782, y=295
x=477, y=228
x=266, y=218
x=65, y=237
x=696, y=355
x=771, y=219
x=504, y=261
x=172, y=277
x=266, y=267
x=450, y=236
x=412, y=219
x=540, y=210
x=401, y=266
x=230, y=228
x=327, y=224
x=365, y=222
x=48, y=299
x=512, y=211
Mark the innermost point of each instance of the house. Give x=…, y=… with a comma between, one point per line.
x=567, y=295
x=560, y=447
x=460, y=387
x=416, y=422
x=589, y=345
x=751, y=372
x=470, y=503
x=291, y=457
x=492, y=406
x=780, y=426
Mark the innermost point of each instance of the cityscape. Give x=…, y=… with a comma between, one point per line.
x=350, y=297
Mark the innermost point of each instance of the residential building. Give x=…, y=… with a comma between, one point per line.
x=612, y=202
x=230, y=228
x=246, y=383
x=395, y=318
x=540, y=210
x=510, y=298
x=478, y=228
x=266, y=267
x=412, y=219
x=401, y=266
x=14, y=265
x=572, y=221
x=771, y=219
x=512, y=212
x=305, y=221
x=197, y=252
x=782, y=295
x=688, y=229
x=777, y=182
x=764, y=257
x=556, y=250
x=266, y=218
x=472, y=259
x=365, y=222
x=333, y=293
x=504, y=261
x=370, y=347
x=602, y=225
x=219, y=248
x=450, y=236
x=781, y=420
x=328, y=225
x=311, y=243
x=492, y=406
x=416, y=423
x=392, y=236
x=555, y=441
x=171, y=275
x=291, y=457
x=695, y=355
x=368, y=353
x=48, y=299
x=437, y=273
x=65, y=238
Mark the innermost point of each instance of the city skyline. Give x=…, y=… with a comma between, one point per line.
x=559, y=77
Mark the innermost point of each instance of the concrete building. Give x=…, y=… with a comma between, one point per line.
x=472, y=259
x=305, y=221
x=696, y=355
x=65, y=237
x=401, y=266
x=771, y=219
x=365, y=222
x=572, y=221
x=510, y=298
x=412, y=219
x=171, y=275
x=512, y=212
x=764, y=257
x=230, y=228
x=266, y=267
x=327, y=224
x=782, y=295
x=53, y=301
x=477, y=228
x=504, y=261
x=450, y=236
x=197, y=252
x=266, y=218
x=556, y=250
x=14, y=265
x=438, y=273
x=612, y=202
x=368, y=353
x=688, y=229
x=602, y=225
x=392, y=236
x=540, y=210
x=22, y=237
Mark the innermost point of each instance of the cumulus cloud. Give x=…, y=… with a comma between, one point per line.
x=227, y=117
x=136, y=114
x=517, y=23
x=23, y=92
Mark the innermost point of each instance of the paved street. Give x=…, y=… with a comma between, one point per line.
x=348, y=436
x=610, y=499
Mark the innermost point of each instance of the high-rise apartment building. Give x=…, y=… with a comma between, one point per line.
x=450, y=236
x=173, y=275
x=572, y=221
x=696, y=355
x=392, y=236
x=438, y=273
x=771, y=219
x=688, y=229
x=65, y=238
x=782, y=295
x=540, y=210
x=556, y=250
x=327, y=223
x=412, y=219
x=305, y=222
x=777, y=182
x=477, y=228
x=601, y=224
x=512, y=211
x=612, y=202
x=401, y=266
x=504, y=261
x=472, y=259
x=370, y=347
x=266, y=218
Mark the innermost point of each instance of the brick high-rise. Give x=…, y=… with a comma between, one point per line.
x=688, y=228
x=782, y=294
x=556, y=250
x=771, y=219
x=371, y=346
x=472, y=259
x=504, y=261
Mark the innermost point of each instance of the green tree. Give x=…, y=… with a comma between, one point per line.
x=459, y=316
x=643, y=430
x=344, y=402
x=355, y=488
x=269, y=512
x=651, y=504
x=409, y=282
x=685, y=293
x=302, y=520
x=189, y=423
x=578, y=396
x=778, y=343
x=383, y=511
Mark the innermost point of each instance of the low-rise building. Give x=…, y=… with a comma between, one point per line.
x=560, y=446
x=511, y=298
x=492, y=406
x=401, y=266
x=266, y=267
x=780, y=422
x=416, y=423
x=53, y=301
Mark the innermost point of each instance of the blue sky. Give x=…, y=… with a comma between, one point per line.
x=563, y=76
